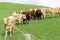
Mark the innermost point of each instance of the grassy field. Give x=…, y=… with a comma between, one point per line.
x=47, y=29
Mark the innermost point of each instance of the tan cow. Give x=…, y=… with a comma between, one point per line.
x=26, y=17
x=43, y=12
x=52, y=11
x=9, y=25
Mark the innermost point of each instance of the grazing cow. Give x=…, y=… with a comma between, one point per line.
x=39, y=14
x=32, y=13
x=43, y=12
x=27, y=18
x=58, y=11
x=9, y=25
x=52, y=11
x=22, y=17
x=18, y=16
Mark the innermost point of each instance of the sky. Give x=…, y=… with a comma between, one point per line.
x=49, y=3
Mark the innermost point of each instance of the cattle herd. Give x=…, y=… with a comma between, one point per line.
x=23, y=17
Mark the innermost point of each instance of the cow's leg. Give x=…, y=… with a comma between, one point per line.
x=20, y=22
x=58, y=13
x=27, y=21
x=53, y=15
x=6, y=33
x=41, y=17
x=38, y=18
x=10, y=31
x=44, y=15
x=24, y=21
x=34, y=17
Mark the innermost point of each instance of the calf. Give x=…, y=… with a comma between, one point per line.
x=9, y=25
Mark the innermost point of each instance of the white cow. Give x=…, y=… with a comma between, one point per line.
x=21, y=17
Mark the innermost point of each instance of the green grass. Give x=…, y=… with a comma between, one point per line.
x=47, y=29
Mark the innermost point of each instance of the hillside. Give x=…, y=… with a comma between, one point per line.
x=4, y=5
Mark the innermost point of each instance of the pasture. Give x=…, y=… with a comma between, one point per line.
x=47, y=29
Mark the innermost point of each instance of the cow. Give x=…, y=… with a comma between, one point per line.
x=9, y=23
x=58, y=11
x=52, y=11
x=26, y=17
x=18, y=16
x=32, y=13
x=22, y=17
x=39, y=14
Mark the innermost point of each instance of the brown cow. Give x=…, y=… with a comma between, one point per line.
x=27, y=19
x=39, y=14
x=32, y=13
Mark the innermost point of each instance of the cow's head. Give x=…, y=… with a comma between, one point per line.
x=5, y=20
